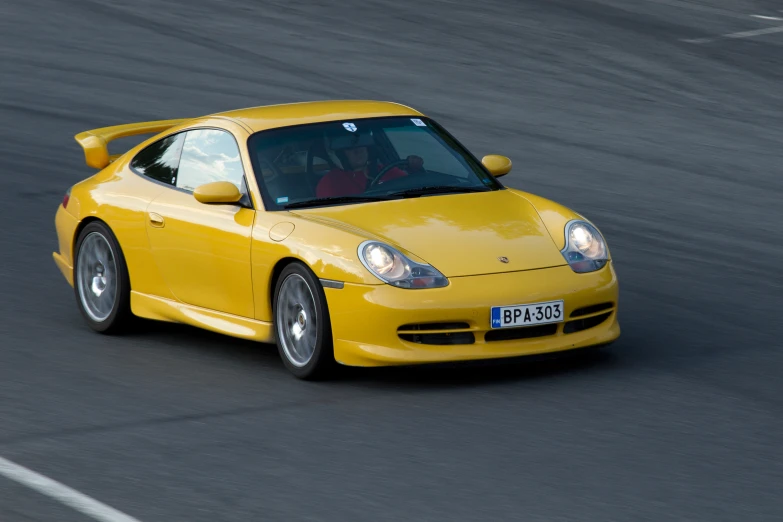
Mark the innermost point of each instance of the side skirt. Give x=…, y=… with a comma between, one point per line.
x=160, y=309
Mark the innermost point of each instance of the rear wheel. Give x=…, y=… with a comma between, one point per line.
x=101, y=281
x=302, y=327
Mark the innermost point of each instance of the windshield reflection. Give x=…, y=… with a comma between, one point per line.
x=362, y=160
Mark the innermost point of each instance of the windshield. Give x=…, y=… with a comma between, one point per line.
x=361, y=160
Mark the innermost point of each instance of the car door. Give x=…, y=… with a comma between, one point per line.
x=203, y=250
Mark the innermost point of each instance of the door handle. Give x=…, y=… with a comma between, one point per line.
x=156, y=220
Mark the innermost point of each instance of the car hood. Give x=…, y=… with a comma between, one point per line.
x=458, y=234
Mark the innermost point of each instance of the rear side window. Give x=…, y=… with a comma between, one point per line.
x=160, y=160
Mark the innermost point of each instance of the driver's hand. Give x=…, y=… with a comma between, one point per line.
x=415, y=162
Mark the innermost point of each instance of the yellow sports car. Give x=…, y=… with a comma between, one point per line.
x=352, y=232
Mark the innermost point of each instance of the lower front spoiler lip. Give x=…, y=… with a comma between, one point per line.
x=530, y=360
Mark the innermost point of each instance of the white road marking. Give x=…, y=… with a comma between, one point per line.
x=767, y=17
x=743, y=34
x=62, y=493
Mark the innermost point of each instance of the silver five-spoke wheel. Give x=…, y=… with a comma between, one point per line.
x=303, y=329
x=96, y=277
x=100, y=279
x=297, y=320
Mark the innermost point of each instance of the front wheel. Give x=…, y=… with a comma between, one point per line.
x=302, y=327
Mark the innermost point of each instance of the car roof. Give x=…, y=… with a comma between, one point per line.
x=288, y=114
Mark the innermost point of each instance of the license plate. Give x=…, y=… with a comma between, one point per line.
x=526, y=314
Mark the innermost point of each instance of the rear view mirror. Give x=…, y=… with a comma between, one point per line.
x=497, y=165
x=217, y=192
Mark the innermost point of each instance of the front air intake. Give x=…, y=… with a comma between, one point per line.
x=583, y=324
x=437, y=333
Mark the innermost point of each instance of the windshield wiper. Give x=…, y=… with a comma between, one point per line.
x=436, y=189
x=333, y=199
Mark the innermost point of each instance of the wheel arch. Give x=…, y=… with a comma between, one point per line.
x=81, y=226
x=276, y=271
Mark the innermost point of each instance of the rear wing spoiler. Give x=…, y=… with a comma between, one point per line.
x=96, y=142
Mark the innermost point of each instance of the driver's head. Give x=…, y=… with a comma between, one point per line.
x=354, y=145
x=357, y=157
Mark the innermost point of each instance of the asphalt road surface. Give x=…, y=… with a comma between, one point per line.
x=641, y=115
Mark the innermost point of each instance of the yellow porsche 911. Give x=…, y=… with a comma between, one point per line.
x=359, y=233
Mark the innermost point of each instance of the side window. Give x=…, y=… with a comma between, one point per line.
x=159, y=160
x=209, y=155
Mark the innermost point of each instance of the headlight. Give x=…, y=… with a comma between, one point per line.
x=585, y=248
x=391, y=266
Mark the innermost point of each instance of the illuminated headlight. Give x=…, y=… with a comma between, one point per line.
x=585, y=248
x=392, y=267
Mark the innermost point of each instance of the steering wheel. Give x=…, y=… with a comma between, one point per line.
x=386, y=169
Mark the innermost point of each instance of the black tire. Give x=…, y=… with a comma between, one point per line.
x=321, y=363
x=120, y=317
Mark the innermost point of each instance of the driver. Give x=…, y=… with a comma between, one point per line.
x=355, y=179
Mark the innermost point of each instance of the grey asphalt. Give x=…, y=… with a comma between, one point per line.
x=672, y=148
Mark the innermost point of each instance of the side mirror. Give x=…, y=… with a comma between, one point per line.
x=497, y=165
x=217, y=192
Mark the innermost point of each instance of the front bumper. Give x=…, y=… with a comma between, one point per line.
x=367, y=319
